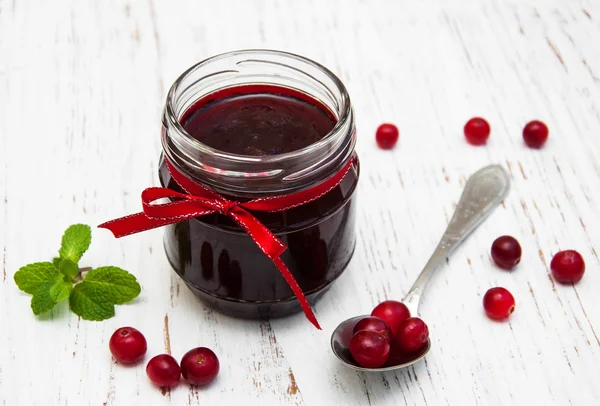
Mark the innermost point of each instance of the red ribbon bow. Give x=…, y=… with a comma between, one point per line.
x=200, y=201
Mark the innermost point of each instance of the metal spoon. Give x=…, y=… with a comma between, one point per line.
x=484, y=190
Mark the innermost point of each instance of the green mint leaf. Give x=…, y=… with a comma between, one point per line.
x=42, y=302
x=102, y=288
x=91, y=302
x=56, y=261
x=49, y=293
x=68, y=268
x=75, y=241
x=30, y=277
x=114, y=284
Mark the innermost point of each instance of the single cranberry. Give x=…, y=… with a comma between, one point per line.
x=506, y=252
x=393, y=313
x=369, y=349
x=535, y=134
x=477, y=131
x=567, y=266
x=413, y=335
x=163, y=371
x=199, y=366
x=498, y=303
x=127, y=345
x=387, y=136
x=374, y=324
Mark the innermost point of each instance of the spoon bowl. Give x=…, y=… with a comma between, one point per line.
x=484, y=190
x=340, y=342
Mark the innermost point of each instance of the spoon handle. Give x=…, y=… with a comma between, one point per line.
x=484, y=190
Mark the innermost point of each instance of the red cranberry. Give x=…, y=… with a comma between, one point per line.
x=373, y=324
x=127, y=345
x=369, y=349
x=477, y=131
x=163, y=371
x=199, y=366
x=393, y=313
x=535, y=134
x=413, y=335
x=506, y=252
x=567, y=266
x=387, y=136
x=498, y=303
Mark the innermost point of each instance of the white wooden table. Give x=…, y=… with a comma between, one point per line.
x=82, y=85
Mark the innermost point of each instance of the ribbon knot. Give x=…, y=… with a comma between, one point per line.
x=200, y=201
x=228, y=206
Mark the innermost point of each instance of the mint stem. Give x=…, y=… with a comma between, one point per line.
x=79, y=276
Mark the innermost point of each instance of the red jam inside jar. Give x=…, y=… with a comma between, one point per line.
x=277, y=124
x=258, y=120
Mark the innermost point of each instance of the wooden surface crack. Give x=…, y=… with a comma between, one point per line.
x=167, y=338
x=556, y=52
x=4, y=264
x=536, y=304
x=293, y=387
x=586, y=316
x=110, y=395
x=366, y=390
x=156, y=36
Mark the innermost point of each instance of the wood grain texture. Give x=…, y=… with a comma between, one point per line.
x=82, y=85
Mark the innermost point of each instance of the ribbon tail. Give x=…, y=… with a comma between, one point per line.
x=285, y=272
x=272, y=247
x=135, y=223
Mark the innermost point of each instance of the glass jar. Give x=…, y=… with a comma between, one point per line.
x=213, y=255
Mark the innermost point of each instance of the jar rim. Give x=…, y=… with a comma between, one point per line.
x=251, y=174
x=344, y=114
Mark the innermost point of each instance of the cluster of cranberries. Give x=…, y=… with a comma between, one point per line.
x=199, y=366
x=566, y=267
x=389, y=331
x=477, y=131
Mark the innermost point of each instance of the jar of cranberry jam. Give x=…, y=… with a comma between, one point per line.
x=253, y=124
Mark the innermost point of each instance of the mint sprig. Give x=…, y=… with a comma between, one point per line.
x=92, y=296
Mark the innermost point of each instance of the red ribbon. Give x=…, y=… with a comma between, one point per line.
x=200, y=201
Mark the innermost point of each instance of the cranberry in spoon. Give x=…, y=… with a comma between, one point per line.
x=484, y=190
